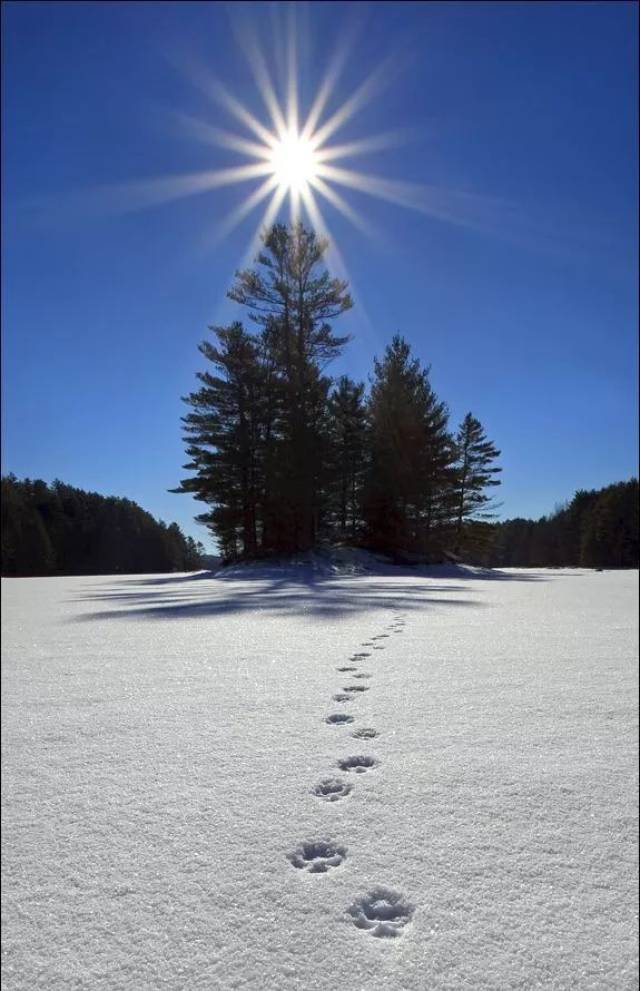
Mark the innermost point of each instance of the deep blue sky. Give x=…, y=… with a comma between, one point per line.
x=528, y=316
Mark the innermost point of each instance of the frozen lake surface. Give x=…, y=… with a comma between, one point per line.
x=178, y=813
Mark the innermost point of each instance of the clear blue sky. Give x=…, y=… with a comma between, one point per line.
x=526, y=310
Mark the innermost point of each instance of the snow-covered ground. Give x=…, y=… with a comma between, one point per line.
x=178, y=812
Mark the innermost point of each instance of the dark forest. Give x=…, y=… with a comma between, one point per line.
x=60, y=530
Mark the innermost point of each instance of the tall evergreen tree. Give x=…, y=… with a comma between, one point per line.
x=257, y=433
x=438, y=475
x=293, y=300
x=475, y=473
x=225, y=433
x=348, y=458
x=411, y=455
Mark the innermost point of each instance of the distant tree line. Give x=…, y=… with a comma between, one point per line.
x=597, y=529
x=284, y=457
x=60, y=530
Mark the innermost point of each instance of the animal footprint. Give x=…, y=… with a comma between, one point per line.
x=359, y=764
x=317, y=857
x=362, y=674
x=365, y=733
x=347, y=669
x=383, y=912
x=332, y=789
x=356, y=688
x=338, y=718
x=342, y=697
x=367, y=643
x=363, y=654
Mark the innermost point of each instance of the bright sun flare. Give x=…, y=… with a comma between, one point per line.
x=291, y=158
x=294, y=163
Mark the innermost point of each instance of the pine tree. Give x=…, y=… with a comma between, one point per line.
x=225, y=433
x=409, y=483
x=348, y=443
x=475, y=473
x=293, y=302
x=437, y=476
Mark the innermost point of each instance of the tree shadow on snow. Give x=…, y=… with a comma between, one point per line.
x=288, y=591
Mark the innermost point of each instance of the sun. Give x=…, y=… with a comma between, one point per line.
x=294, y=163
x=290, y=154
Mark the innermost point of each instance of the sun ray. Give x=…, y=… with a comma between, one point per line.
x=337, y=263
x=130, y=197
x=221, y=230
x=397, y=192
x=231, y=221
x=207, y=134
x=248, y=41
x=219, y=94
x=292, y=74
x=235, y=107
x=248, y=256
x=338, y=267
x=265, y=222
x=295, y=196
x=317, y=219
x=341, y=204
x=337, y=62
x=362, y=146
x=451, y=206
x=326, y=89
x=271, y=212
x=374, y=82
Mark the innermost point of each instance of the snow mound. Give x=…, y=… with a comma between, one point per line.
x=344, y=561
x=324, y=562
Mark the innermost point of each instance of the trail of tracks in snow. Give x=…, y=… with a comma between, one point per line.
x=382, y=911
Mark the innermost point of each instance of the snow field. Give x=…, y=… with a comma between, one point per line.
x=165, y=737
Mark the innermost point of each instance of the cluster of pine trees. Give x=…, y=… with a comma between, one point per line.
x=58, y=529
x=283, y=456
x=597, y=529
